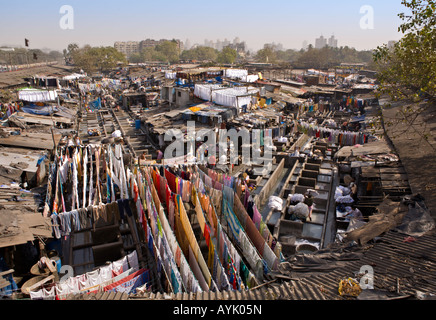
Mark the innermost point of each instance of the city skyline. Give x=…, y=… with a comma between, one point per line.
x=254, y=22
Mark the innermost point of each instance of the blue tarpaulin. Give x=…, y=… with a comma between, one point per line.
x=39, y=110
x=95, y=104
x=358, y=119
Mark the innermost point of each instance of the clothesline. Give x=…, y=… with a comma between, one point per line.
x=236, y=185
x=208, y=221
x=93, y=281
x=90, y=183
x=339, y=137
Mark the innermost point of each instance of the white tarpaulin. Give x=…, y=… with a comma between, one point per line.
x=252, y=78
x=34, y=95
x=204, y=91
x=236, y=73
x=73, y=76
x=170, y=75
x=234, y=97
x=229, y=97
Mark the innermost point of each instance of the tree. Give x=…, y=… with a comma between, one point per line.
x=408, y=70
x=167, y=51
x=200, y=53
x=310, y=59
x=288, y=55
x=227, y=55
x=69, y=52
x=108, y=58
x=91, y=59
x=266, y=54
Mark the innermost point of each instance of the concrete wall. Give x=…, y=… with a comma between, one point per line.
x=266, y=190
x=182, y=97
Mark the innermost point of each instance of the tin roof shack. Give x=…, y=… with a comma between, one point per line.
x=44, y=81
x=23, y=229
x=176, y=96
x=133, y=99
x=15, y=79
x=142, y=99
x=363, y=88
x=269, y=86
x=311, y=80
x=200, y=74
x=368, y=73
x=32, y=139
x=319, y=92
x=24, y=166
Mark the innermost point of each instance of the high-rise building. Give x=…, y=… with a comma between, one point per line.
x=187, y=44
x=219, y=45
x=274, y=46
x=320, y=42
x=333, y=42
x=149, y=43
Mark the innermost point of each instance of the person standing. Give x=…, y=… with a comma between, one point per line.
x=308, y=200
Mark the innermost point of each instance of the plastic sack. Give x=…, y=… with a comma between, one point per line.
x=117, y=134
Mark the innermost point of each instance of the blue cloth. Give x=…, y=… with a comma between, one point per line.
x=39, y=110
x=121, y=208
x=7, y=291
x=96, y=104
x=126, y=203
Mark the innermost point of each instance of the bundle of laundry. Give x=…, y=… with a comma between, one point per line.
x=344, y=199
x=117, y=134
x=297, y=197
x=301, y=210
x=275, y=203
x=342, y=195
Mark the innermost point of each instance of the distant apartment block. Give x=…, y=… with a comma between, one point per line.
x=333, y=42
x=237, y=44
x=127, y=47
x=131, y=47
x=322, y=42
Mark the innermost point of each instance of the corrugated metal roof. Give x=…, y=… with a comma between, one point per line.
x=399, y=267
x=292, y=290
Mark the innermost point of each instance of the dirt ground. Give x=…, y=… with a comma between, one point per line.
x=417, y=153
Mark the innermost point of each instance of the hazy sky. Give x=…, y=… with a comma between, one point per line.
x=289, y=22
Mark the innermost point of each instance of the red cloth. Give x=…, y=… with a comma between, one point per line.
x=171, y=179
x=207, y=234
